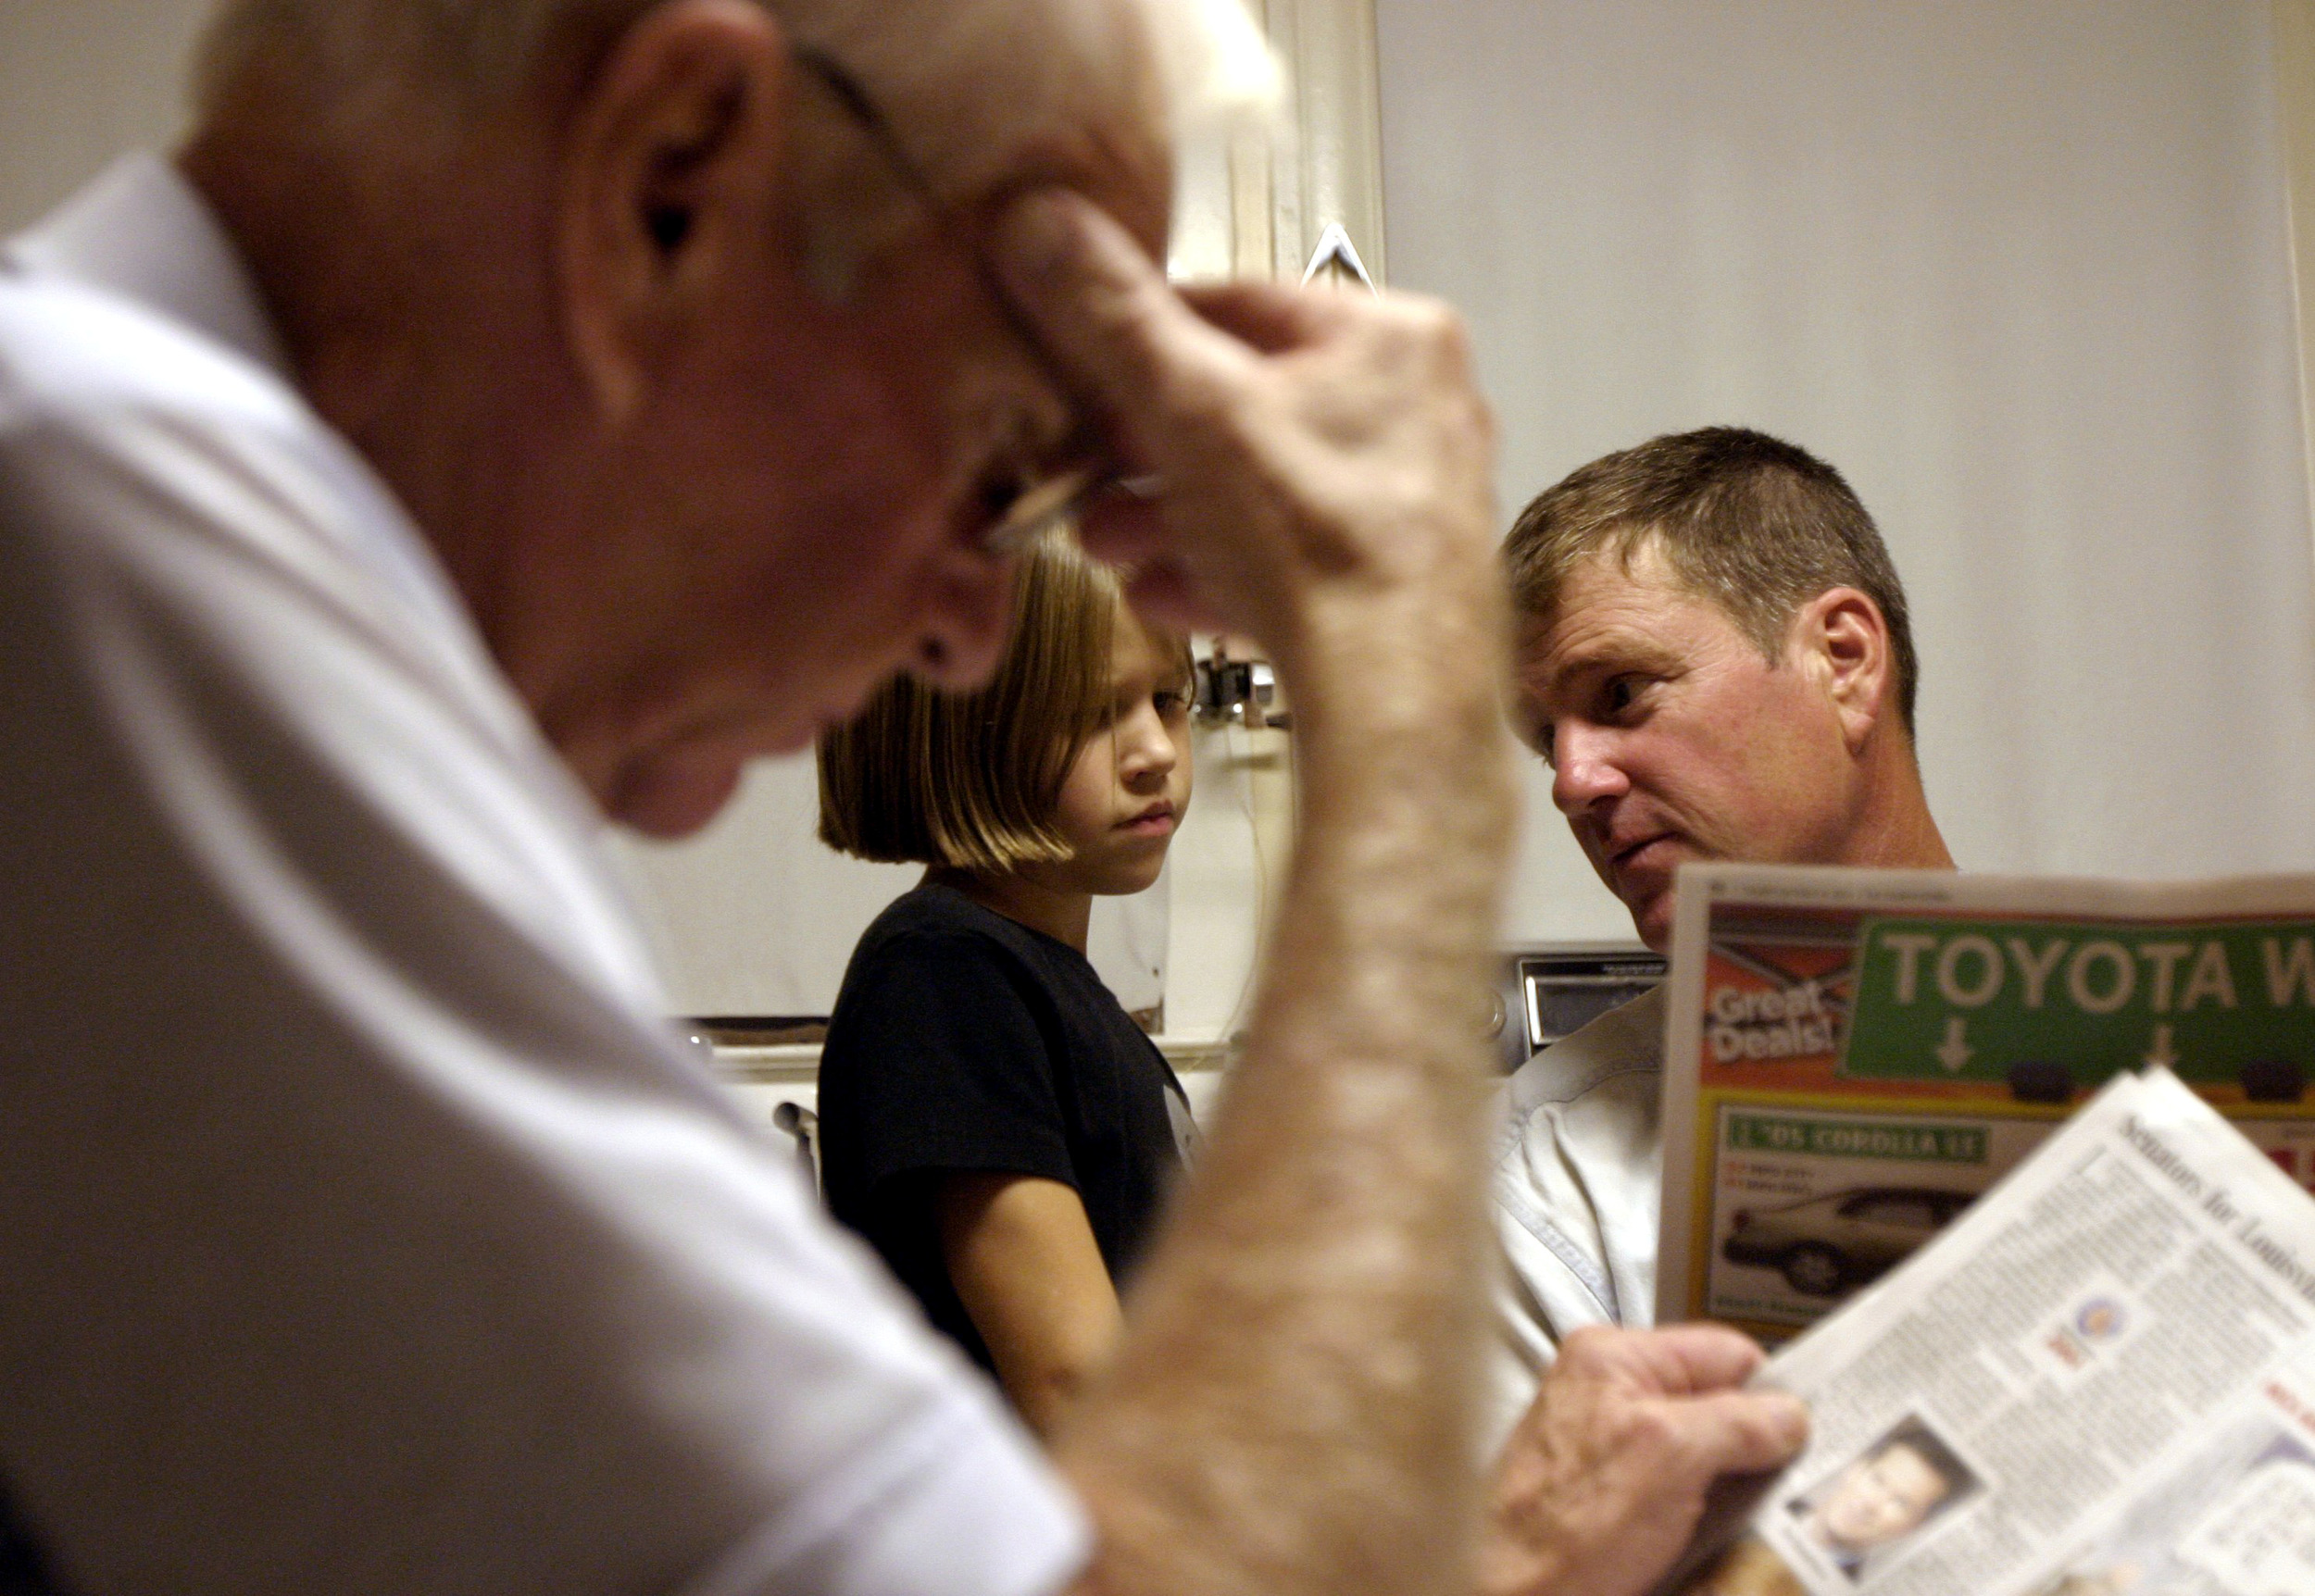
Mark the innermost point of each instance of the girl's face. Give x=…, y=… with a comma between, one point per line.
x=1126, y=791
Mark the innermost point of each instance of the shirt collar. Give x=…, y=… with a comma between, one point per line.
x=143, y=232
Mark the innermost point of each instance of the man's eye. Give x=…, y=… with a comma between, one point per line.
x=998, y=490
x=1543, y=746
x=1620, y=694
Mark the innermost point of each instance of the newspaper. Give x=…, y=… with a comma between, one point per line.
x=2031, y=1157
x=1853, y=1056
x=2098, y=1381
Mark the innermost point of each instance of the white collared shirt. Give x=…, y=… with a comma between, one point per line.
x=1578, y=1178
x=363, y=1226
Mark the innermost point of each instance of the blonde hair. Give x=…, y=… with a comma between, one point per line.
x=970, y=781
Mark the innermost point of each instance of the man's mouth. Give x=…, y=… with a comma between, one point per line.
x=1628, y=854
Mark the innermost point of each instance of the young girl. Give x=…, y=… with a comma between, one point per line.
x=991, y=1120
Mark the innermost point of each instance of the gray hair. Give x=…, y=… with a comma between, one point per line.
x=932, y=61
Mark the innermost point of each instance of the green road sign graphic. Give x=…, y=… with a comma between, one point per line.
x=1857, y=1139
x=1960, y=999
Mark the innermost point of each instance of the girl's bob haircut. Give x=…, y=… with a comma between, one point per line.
x=970, y=781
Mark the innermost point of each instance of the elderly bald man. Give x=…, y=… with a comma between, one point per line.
x=506, y=413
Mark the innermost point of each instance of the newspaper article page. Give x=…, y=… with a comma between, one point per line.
x=2099, y=1382
x=1852, y=1056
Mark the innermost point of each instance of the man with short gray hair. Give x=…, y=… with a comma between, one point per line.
x=509, y=413
x=1716, y=660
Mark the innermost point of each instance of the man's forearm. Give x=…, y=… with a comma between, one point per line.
x=1290, y=1410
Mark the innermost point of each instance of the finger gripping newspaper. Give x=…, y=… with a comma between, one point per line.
x=2100, y=1379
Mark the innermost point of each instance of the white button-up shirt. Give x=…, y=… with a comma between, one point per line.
x=1578, y=1176
x=363, y=1226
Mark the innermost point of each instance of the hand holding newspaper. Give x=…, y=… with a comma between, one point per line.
x=2099, y=1380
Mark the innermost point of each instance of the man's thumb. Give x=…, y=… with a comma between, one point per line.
x=1745, y=1432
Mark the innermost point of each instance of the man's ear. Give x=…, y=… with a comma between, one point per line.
x=670, y=186
x=1843, y=640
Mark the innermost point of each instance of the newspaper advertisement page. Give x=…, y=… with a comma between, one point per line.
x=1853, y=1056
x=2099, y=1382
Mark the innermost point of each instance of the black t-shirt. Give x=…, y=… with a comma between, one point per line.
x=966, y=1042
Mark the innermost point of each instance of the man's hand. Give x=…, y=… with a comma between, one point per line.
x=1324, y=456
x=1292, y=1404
x=1601, y=1484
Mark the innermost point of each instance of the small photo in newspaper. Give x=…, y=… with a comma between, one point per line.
x=2090, y=1332
x=1869, y=1509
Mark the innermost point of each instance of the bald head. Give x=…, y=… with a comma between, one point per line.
x=997, y=79
x=673, y=323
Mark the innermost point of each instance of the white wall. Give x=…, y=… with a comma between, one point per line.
x=82, y=81
x=2017, y=266
x=755, y=918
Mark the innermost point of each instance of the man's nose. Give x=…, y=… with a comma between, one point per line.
x=966, y=620
x=1584, y=768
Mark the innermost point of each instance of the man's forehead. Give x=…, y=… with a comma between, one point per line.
x=1110, y=138
x=1115, y=156
x=1611, y=609
x=1121, y=156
